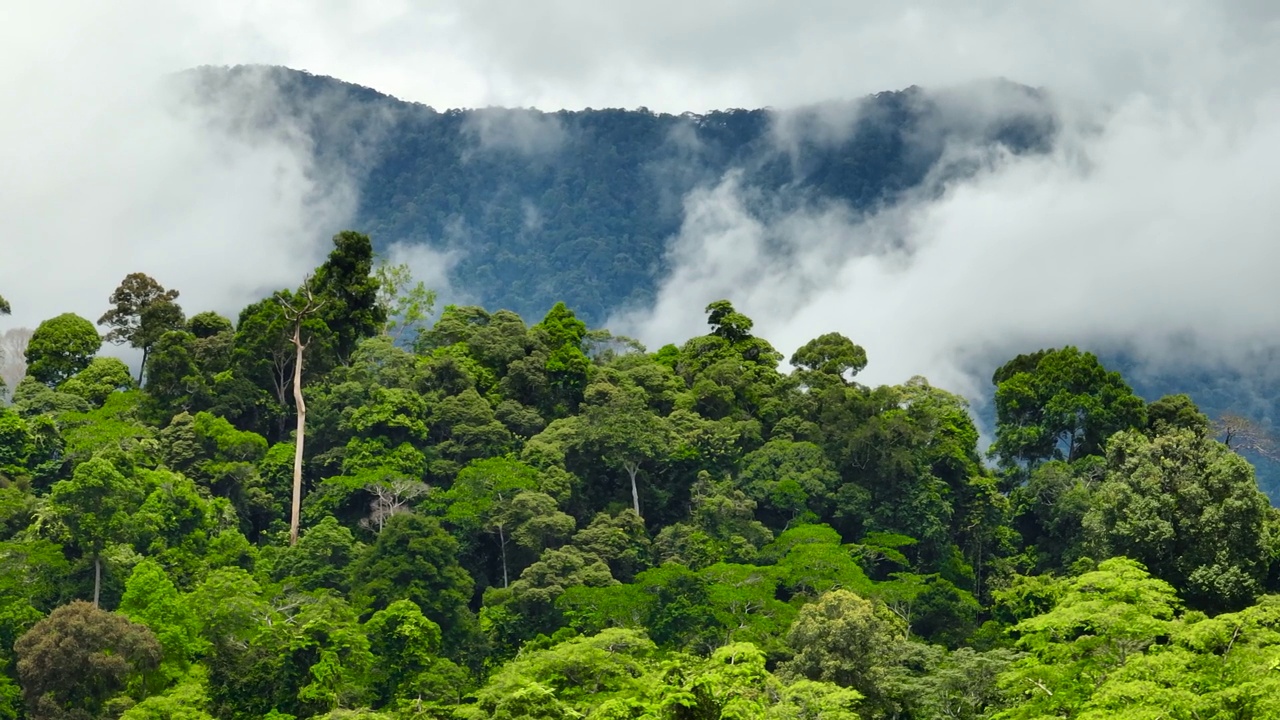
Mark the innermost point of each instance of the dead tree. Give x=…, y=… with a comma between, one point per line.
x=297, y=308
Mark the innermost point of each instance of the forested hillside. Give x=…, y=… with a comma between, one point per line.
x=536, y=208
x=341, y=504
x=578, y=206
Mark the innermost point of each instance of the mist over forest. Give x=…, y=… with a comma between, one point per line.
x=639, y=361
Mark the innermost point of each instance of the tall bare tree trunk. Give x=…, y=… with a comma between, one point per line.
x=502, y=542
x=632, y=469
x=301, y=434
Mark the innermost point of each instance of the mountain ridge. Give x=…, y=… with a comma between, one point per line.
x=520, y=194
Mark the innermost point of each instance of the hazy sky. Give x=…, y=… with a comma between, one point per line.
x=1155, y=218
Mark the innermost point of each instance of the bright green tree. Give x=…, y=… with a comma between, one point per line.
x=832, y=354
x=61, y=347
x=103, y=376
x=95, y=504
x=1100, y=621
x=151, y=598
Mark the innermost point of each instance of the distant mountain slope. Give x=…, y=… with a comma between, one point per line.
x=579, y=206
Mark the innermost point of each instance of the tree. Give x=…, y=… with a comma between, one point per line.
x=1060, y=404
x=96, y=504
x=406, y=646
x=832, y=354
x=789, y=478
x=1244, y=435
x=151, y=598
x=61, y=347
x=5, y=309
x=406, y=306
x=77, y=659
x=1190, y=510
x=348, y=293
x=298, y=308
x=391, y=497
x=415, y=559
x=95, y=383
x=320, y=559
x=1173, y=412
x=481, y=496
x=845, y=639
x=143, y=311
x=566, y=365
x=618, y=426
x=1100, y=621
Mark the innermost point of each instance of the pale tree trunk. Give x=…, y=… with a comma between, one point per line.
x=502, y=542
x=97, y=579
x=301, y=435
x=632, y=469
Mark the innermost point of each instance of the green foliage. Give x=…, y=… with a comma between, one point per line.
x=61, y=347
x=1100, y=621
x=405, y=306
x=845, y=639
x=349, y=291
x=1060, y=404
x=96, y=382
x=143, y=311
x=1187, y=508
x=831, y=354
x=415, y=559
x=473, y=544
x=151, y=599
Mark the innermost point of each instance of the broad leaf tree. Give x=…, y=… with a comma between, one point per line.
x=95, y=504
x=77, y=659
x=1060, y=404
x=142, y=311
x=61, y=347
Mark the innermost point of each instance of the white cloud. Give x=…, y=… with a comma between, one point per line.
x=106, y=173
x=1144, y=228
x=1154, y=216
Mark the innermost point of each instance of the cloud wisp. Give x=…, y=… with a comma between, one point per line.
x=109, y=170
x=1148, y=228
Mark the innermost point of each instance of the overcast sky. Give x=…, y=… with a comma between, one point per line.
x=1160, y=224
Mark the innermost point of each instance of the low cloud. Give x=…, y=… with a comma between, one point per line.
x=528, y=133
x=109, y=170
x=1149, y=228
x=432, y=267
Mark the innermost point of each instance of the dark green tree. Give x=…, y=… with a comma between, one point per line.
x=142, y=312
x=1060, y=404
x=1190, y=510
x=349, y=291
x=415, y=559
